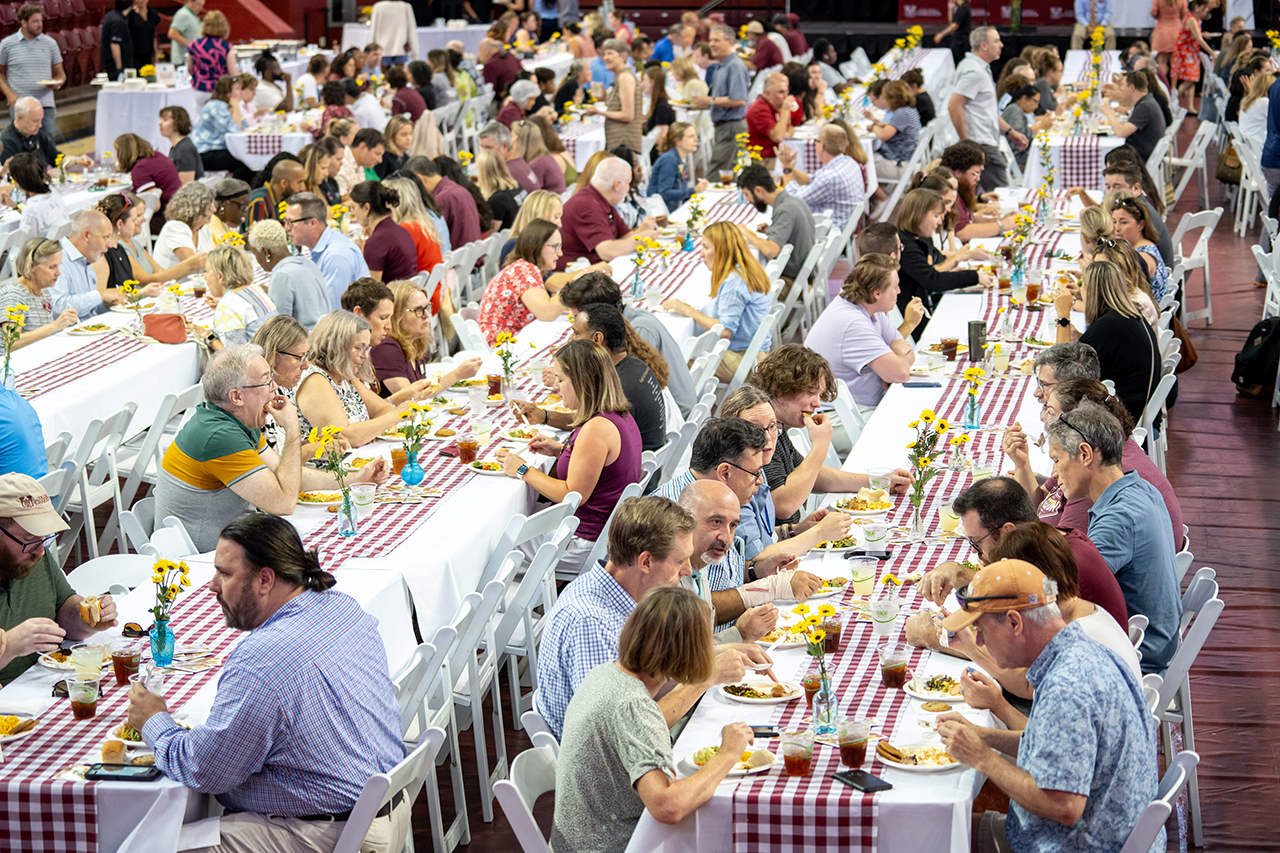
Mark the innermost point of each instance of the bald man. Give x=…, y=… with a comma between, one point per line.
x=769, y=118
x=287, y=177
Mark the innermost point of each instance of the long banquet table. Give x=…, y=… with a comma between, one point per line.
x=41, y=813
x=1078, y=159
x=429, y=38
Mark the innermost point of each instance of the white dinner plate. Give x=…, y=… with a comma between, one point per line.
x=20, y=735
x=390, y=439
x=797, y=692
x=865, y=513
x=49, y=663
x=114, y=734
x=301, y=502
x=484, y=471
x=81, y=331
x=915, y=689
x=916, y=768
x=147, y=308
x=1028, y=343
x=687, y=766
x=506, y=435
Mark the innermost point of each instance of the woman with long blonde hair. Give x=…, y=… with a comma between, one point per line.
x=410, y=213
x=741, y=290
x=499, y=189
x=532, y=148
x=555, y=147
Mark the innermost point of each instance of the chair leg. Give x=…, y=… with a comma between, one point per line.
x=1193, y=782
x=459, y=832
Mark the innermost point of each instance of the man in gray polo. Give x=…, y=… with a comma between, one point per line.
x=973, y=106
x=728, y=101
x=27, y=57
x=792, y=223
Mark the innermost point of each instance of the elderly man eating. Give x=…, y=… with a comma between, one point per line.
x=219, y=466
x=592, y=227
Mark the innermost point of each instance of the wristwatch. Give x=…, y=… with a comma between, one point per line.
x=1064, y=321
x=522, y=470
x=751, y=572
x=787, y=171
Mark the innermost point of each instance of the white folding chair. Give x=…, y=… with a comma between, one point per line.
x=763, y=331
x=100, y=483
x=524, y=528
x=706, y=370
x=56, y=451
x=698, y=344
x=1194, y=160
x=1138, y=631
x=1156, y=443
x=539, y=732
x=533, y=773
x=113, y=573
x=437, y=711
x=403, y=782
x=1201, y=608
x=170, y=540
x=139, y=522
x=851, y=422
x=472, y=654
x=1270, y=265
x=775, y=265
x=601, y=547
x=1197, y=258
x=468, y=328
x=10, y=245
x=414, y=680
x=1147, y=829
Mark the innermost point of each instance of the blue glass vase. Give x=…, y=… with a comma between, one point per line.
x=687, y=245
x=972, y=412
x=347, y=514
x=162, y=643
x=412, y=473
x=826, y=710
x=637, y=285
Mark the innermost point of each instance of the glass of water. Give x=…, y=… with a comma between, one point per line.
x=877, y=534
x=884, y=613
x=983, y=467
x=879, y=477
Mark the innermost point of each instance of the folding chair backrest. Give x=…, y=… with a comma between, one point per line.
x=1153, y=818
x=601, y=547
x=708, y=368
x=533, y=773
x=407, y=776
x=463, y=652
x=172, y=541
x=701, y=343
x=412, y=681
x=139, y=522
x=847, y=408
x=58, y=481
x=1201, y=609
x=522, y=528
x=56, y=451
x=767, y=324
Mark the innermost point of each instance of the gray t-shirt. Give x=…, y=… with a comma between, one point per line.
x=186, y=24
x=27, y=62
x=614, y=733
x=981, y=117
x=792, y=224
x=679, y=380
x=1149, y=121
x=732, y=81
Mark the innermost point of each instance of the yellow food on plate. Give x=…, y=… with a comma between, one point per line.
x=318, y=497
x=486, y=466
x=359, y=461
x=93, y=327
x=494, y=398
x=833, y=583
x=841, y=543
x=445, y=432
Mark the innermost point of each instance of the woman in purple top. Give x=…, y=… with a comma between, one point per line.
x=602, y=455
x=1054, y=508
x=533, y=150
x=388, y=249
x=148, y=168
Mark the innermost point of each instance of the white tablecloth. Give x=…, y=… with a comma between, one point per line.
x=582, y=139
x=1076, y=64
x=255, y=150
x=937, y=65
x=557, y=62
x=429, y=38
x=146, y=818
x=121, y=112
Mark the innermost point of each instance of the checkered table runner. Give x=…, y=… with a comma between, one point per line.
x=1104, y=70
x=96, y=355
x=1080, y=161
x=264, y=144
x=577, y=130
x=39, y=813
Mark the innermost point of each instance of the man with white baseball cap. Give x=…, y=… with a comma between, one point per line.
x=38, y=608
x=1086, y=761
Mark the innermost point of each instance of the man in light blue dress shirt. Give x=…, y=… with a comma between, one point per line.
x=340, y=260
x=77, y=286
x=1091, y=14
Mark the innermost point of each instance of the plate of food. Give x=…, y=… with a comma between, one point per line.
x=518, y=434
x=17, y=726
x=786, y=636
x=488, y=467
x=86, y=329
x=144, y=307
x=830, y=587
x=127, y=735
x=838, y=546
x=494, y=400
x=867, y=503
x=395, y=435
x=463, y=384
x=1036, y=343
x=762, y=692
x=916, y=758
x=937, y=688
x=355, y=463
x=319, y=498
x=751, y=762
x=59, y=660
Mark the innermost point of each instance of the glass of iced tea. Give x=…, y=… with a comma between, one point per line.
x=797, y=752
x=726, y=178
x=1033, y=292
x=82, y=690
x=812, y=684
x=853, y=734
x=832, y=629
x=126, y=655
x=198, y=292
x=495, y=383
x=467, y=448
x=399, y=458
x=950, y=348
x=893, y=664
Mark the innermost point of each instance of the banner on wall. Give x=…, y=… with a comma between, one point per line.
x=1035, y=13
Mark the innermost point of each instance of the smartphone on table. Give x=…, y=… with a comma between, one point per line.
x=863, y=781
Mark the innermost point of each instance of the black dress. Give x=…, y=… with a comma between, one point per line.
x=917, y=275
x=119, y=268
x=329, y=189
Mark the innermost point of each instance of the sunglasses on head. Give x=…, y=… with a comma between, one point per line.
x=963, y=596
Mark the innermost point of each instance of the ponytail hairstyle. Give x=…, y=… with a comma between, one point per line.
x=117, y=205
x=380, y=198
x=270, y=541
x=1071, y=392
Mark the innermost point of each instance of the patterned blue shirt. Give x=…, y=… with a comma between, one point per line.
x=212, y=126
x=305, y=714
x=581, y=634
x=730, y=572
x=1089, y=733
x=837, y=186
x=1130, y=525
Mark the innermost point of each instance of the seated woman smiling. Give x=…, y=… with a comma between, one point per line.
x=399, y=356
x=334, y=390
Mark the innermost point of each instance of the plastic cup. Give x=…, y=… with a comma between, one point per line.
x=495, y=383
x=983, y=467
x=399, y=458
x=950, y=348
x=87, y=659
x=1000, y=361
x=362, y=497
x=482, y=430
x=884, y=613
x=947, y=516
x=467, y=448
x=893, y=664
x=877, y=534
x=83, y=691
x=126, y=657
x=149, y=677
x=812, y=684
x=879, y=477
x=797, y=752
x=935, y=360
x=853, y=734
x=862, y=572
x=833, y=630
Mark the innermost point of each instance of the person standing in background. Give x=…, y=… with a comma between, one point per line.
x=958, y=28
x=730, y=89
x=117, y=42
x=27, y=57
x=143, y=22
x=1091, y=14
x=184, y=29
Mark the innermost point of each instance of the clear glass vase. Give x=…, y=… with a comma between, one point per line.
x=917, y=524
x=347, y=514
x=826, y=709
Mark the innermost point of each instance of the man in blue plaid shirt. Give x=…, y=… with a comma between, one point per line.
x=305, y=711
x=650, y=544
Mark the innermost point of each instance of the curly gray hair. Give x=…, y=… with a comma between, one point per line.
x=189, y=203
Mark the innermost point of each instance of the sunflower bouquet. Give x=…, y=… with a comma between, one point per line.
x=923, y=452
x=170, y=579
x=416, y=428
x=338, y=214
x=15, y=316
x=505, y=343
x=328, y=452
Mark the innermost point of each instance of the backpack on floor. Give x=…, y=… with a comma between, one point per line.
x=1255, y=373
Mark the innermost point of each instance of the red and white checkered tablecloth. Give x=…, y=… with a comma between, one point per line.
x=38, y=813
x=104, y=352
x=576, y=131
x=1080, y=162
x=264, y=144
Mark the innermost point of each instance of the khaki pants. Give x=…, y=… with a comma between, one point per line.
x=1080, y=37
x=246, y=832
x=729, y=365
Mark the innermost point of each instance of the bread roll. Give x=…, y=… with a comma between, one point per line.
x=113, y=752
x=91, y=610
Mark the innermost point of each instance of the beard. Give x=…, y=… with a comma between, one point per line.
x=713, y=558
x=761, y=207
x=245, y=615
x=14, y=569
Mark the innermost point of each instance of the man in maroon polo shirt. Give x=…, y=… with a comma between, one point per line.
x=591, y=226
x=456, y=204
x=767, y=54
x=769, y=118
x=788, y=26
x=501, y=67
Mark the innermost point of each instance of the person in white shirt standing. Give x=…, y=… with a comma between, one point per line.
x=973, y=106
x=28, y=57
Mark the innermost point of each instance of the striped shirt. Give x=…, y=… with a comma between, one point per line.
x=27, y=62
x=837, y=186
x=305, y=714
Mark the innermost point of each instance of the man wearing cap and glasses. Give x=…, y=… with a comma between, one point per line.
x=219, y=466
x=38, y=608
x=1086, y=761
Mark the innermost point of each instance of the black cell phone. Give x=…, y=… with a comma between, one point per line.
x=122, y=773
x=921, y=384
x=863, y=781
x=765, y=731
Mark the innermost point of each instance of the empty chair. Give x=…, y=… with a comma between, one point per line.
x=1148, y=828
x=101, y=482
x=113, y=573
x=539, y=732
x=533, y=773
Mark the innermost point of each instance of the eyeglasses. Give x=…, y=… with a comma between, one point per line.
x=1062, y=419
x=363, y=350
x=771, y=429
x=976, y=544
x=963, y=596
x=271, y=383
x=31, y=547
x=755, y=475
x=288, y=221
x=1132, y=205
x=422, y=312
x=1044, y=386
x=298, y=358
x=1107, y=243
